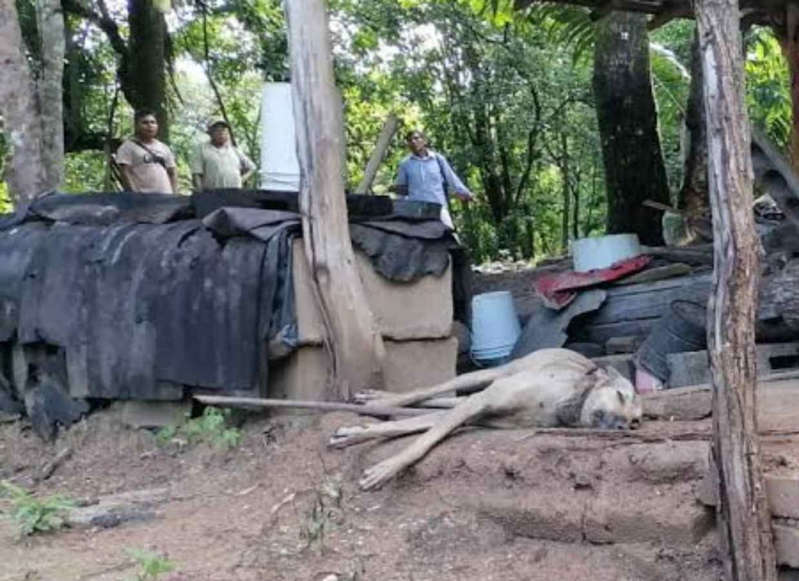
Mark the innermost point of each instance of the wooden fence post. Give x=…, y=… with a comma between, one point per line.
x=353, y=340
x=744, y=519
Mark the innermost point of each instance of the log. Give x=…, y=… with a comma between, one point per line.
x=743, y=512
x=383, y=141
x=352, y=339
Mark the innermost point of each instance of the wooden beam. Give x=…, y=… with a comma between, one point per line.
x=743, y=515
x=383, y=141
x=319, y=406
x=352, y=339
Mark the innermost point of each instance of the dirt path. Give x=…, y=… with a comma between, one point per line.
x=483, y=505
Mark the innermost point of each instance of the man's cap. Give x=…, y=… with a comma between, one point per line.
x=218, y=123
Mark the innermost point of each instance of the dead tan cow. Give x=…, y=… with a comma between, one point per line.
x=548, y=388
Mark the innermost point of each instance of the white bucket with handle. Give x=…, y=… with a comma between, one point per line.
x=495, y=327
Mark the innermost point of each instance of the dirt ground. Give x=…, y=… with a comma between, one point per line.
x=282, y=506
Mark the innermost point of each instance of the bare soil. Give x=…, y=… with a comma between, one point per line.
x=282, y=506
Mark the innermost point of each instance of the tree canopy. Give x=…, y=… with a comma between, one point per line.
x=507, y=97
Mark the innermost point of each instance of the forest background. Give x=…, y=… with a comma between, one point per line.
x=515, y=100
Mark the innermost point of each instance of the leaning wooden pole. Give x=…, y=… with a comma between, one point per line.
x=744, y=519
x=353, y=339
x=383, y=141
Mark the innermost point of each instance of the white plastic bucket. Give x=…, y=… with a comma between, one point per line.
x=495, y=326
x=603, y=251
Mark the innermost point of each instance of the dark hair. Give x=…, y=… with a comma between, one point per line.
x=219, y=123
x=411, y=133
x=141, y=113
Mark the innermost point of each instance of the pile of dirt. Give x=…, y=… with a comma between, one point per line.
x=282, y=506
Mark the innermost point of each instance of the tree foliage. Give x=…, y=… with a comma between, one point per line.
x=505, y=96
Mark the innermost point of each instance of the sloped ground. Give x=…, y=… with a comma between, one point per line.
x=483, y=505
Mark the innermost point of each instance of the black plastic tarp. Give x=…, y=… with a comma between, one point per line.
x=142, y=296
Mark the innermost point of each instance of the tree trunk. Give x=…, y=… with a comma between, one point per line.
x=145, y=82
x=693, y=197
x=566, y=194
x=634, y=169
x=51, y=30
x=744, y=519
x=789, y=40
x=353, y=339
x=32, y=112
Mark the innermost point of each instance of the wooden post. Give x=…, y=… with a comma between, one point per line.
x=383, y=141
x=353, y=340
x=744, y=519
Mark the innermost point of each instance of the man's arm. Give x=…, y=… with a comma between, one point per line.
x=247, y=167
x=400, y=187
x=197, y=181
x=172, y=170
x=454, y=182
x=124, y=159
x=125, y=176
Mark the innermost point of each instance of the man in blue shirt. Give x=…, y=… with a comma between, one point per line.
x=426, y=176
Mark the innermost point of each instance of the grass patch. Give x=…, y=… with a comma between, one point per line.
x=151, y=565
x=210, y=428
x=33, y=515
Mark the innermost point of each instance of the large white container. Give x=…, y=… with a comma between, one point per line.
x=495, y=327
x=603, y=251
x=280, y=169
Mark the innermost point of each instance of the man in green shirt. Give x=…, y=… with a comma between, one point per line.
x=218, y=164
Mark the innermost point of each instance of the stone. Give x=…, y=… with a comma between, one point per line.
x=403, y=311
x=611, y=521
x=783, y=496
x=669, y=462
x=152, y=414
x=786, y=544
x=408, y=365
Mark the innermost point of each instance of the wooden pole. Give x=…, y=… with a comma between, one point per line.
x=353, y=340
x=383, y=141
x=744, y=519
x=320, y=406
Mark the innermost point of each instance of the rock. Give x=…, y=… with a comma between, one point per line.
x=421, y=309
x=48, y=406
x=408, y=365
x=152, y=414
x=669, y=462
x=786, y=543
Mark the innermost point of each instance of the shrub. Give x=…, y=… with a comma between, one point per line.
x=33, y=515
